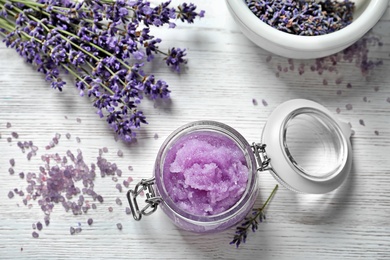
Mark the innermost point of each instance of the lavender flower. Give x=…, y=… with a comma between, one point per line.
x=102, y=44
x=251, y=222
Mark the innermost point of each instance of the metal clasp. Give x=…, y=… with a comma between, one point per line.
x=152, y=200
x=261, y=156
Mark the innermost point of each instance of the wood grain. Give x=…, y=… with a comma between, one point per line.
x=224, y=74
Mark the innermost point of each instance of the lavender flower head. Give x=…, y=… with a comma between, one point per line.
x=102, y=44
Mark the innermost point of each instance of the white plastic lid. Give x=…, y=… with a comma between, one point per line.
x=310, y=150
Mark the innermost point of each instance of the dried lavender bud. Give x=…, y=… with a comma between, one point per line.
x=8, y=125
x=130, y=168
x=11, y=171
x=11, y=194
x=15, y=135
x=99, y=198
x=119, y=226
x=128, y=211
x=264, y=103
x=9, y=139
x=110, y=209
x=72, y=230
x=90, y=221
x=254, y=101
x=120, y=153
x=118, y=201
x=12, y=162
x=105, y=150
x=348, y=106
x=376, y=132
x=78, y=139
x=361, y=122
x=35, y=234
x=68, y=136
x=306, y=18
x=78, y=120
x=118, y=186
x=21, y=175
x=39, y=226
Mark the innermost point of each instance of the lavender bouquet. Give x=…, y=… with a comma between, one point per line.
x=103, y=44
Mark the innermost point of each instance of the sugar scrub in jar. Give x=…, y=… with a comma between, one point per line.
x=205, y=177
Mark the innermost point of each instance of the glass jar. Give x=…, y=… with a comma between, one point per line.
x=205, y=176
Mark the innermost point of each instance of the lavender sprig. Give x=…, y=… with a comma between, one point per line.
x=251, y=221
x=103, y=44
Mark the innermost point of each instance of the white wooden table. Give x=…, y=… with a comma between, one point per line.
x=224, y=74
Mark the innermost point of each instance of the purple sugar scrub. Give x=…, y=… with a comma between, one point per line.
x=205, y=173
x=205, y=176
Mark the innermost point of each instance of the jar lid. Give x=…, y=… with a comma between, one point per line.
x=309, y=150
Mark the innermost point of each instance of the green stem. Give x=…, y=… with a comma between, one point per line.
x=269, y=197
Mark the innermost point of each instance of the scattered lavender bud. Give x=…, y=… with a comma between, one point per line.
x=119, y=172
x=110, y=209
x=269, y=58
x=130, y=168
x=90, y=221
x=15, y=135
x=254, y=101
x=118, y=201
x=39, y=226
x=339, y=92
x=338, y=110
x=11, y=194
x=128, y=211
x=338, y=81
x=68, y=136
x=324, y=82
x=11, y=171
x=120, y=153
x=12, y=162
x=118, y=186
x=78, y=139
x=105, y=150
x=9, y=139
x=349, y=85
x=376, y=132
x=264, y=102
x=126, y=183
x=78, y=120
x=99, y=198
x=47, y=220
x=361, y=122
x=348, y=107
x=21, y=175
x=155, y=136
x=72, y=230
x=119, y=226
x=35, y=234
x=365, y=99
x=93, y=206
x=66, y=117
x=8, y=125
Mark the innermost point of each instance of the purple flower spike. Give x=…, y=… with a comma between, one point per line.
x=102, y=45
